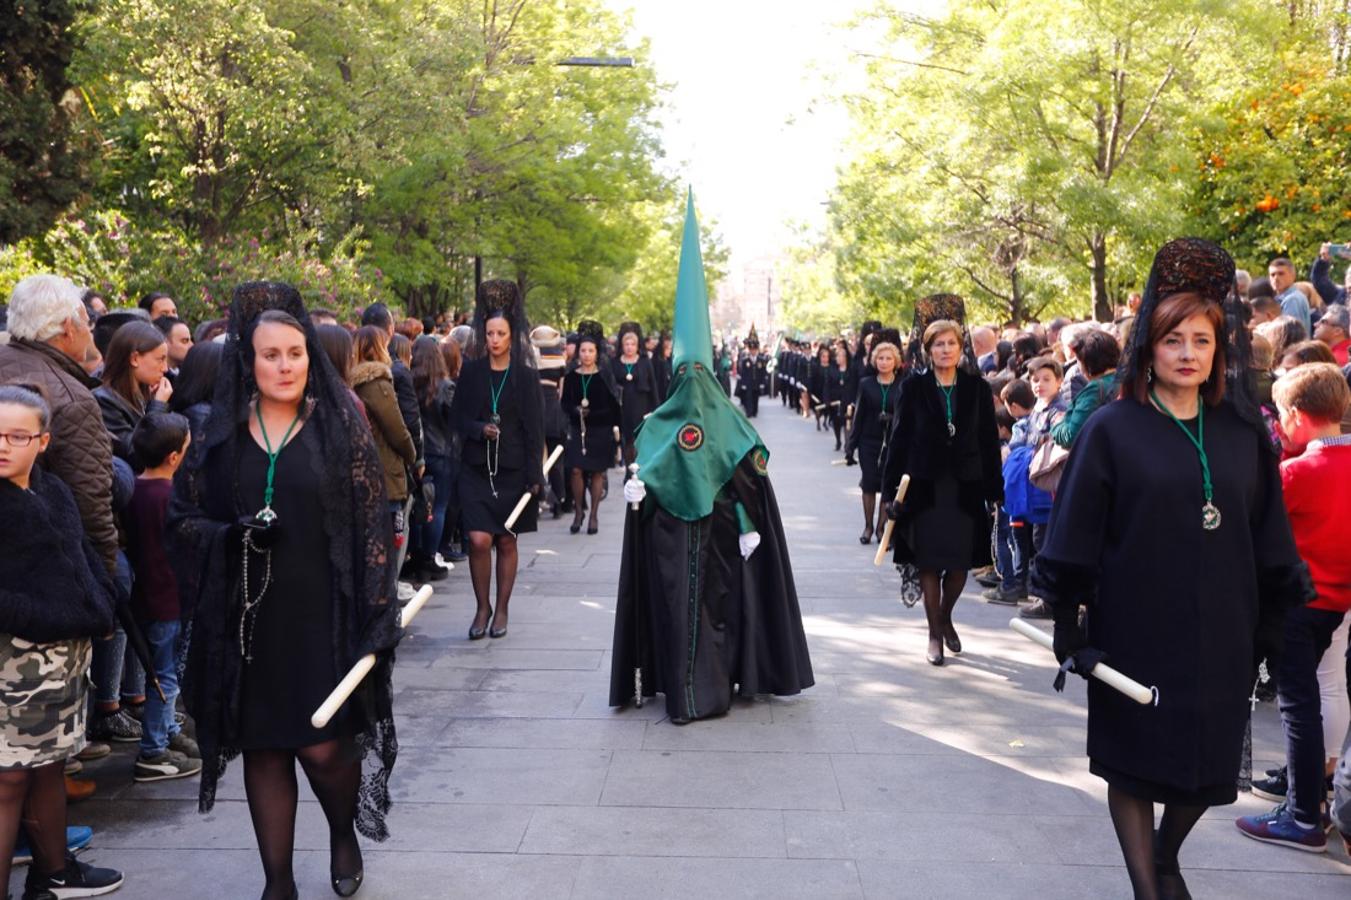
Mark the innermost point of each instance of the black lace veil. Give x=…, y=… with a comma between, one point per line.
x=501, y=296
x=1195, y=265
x=932, y=309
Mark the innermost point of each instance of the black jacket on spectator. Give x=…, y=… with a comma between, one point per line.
x=1323, y=283
x=439, y=437
x=408, y=405
x=121, y=419
x=53, y=585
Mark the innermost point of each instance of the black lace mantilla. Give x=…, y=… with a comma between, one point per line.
x=205, y=506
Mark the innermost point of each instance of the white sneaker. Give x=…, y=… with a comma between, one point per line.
x=406, y=592
x=448, y=566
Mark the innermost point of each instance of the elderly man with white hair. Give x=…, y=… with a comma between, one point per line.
x=49, y=338
x=1075, y=379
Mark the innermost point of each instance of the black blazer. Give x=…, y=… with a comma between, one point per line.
x=921, y=447
x=522, y=445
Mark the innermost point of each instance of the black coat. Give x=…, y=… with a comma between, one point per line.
x=639, y=394
x=921, y=447
x=1172, y=605
x=522, y=443
x=696, y=618
x=121, y=419
x=408, y=404
x=53, y=585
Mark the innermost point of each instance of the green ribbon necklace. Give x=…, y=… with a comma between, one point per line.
x=1210, y=513
x=628, y=370
x=267, y=514
x=947, y=401
x=496, y=393
x=586, y=386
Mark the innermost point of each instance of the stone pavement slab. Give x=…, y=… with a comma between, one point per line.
x=889, y=778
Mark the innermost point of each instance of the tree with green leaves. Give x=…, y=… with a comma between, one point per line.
x=1032, y=151
x=42, y=155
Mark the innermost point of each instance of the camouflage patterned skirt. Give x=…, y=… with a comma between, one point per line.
x=43, y=700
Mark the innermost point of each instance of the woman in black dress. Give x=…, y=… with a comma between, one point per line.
x=280, y=516
x=817, y=384
x=638, y=383
x=591, y=399
x=1169, y=527
x=875, y=405
x=497, y=410
x=837, y=395
x=945, y=438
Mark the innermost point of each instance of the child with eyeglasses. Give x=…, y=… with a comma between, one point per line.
x=55, y=595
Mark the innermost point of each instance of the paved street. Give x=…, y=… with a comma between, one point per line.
x=889, y=778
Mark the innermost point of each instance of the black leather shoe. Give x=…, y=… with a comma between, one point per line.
x=575, y=527
x=496, y=633
x=592, y=529
x=954, y=643
x=477, y=634
x=866, y=537
x=935, y=654
x=347, y=885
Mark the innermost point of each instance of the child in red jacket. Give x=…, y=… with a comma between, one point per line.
x=1316, y=481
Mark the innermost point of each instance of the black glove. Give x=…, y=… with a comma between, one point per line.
x=1069, y=638
x=894, y=509
x=264, y=535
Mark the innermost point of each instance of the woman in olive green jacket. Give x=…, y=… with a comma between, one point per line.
x=374, y=384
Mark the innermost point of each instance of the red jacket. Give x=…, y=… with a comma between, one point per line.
x=1317, y=489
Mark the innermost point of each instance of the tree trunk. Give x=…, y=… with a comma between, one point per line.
x=1102, y=303
x=1016, y=301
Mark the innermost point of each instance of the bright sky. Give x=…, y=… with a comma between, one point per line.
x=750, y=122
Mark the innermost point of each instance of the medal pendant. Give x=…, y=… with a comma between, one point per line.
x=266, y=515
x=1210, y=516
x=585, y=403
x=495, y=419
x=628, y=377
x=952, y=430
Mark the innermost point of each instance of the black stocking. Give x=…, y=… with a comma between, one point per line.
x=270, y=785
x=578, y=486
x=597, y=487
x=506, y=576
x=13, y=790
x=1174, y=826
x=931, y=584
x=480, y=573
x=44, y=816
x=1133, y=819
x=334, y=771
x=869, y=507
x=953, y=582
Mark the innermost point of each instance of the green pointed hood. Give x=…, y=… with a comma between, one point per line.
x=689, y=446
x=692, y=337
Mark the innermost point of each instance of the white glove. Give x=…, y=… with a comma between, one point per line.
x=748, y=542
x=634, y=491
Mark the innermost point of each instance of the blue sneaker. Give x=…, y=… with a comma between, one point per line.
x=77, y=838
x=1279, y=827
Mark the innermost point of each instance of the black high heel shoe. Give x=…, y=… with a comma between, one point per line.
x=866, y=537
x=478, y=633
x=935, y=654
x=346, y=885
x=575, y=527
x=951, y=640
x=592, y=528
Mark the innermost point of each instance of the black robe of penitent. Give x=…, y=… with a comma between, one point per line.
x=696, y=619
